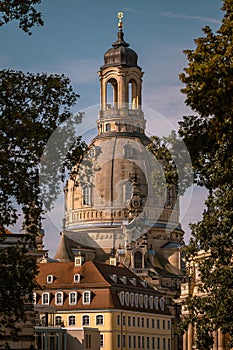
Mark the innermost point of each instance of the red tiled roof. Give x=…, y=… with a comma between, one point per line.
x=95, y=277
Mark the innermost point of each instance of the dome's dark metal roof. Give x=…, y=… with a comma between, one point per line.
x=120, y=54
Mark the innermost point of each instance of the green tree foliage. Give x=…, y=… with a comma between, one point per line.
x=32, y=107
x=209, y=136
x=22, y=11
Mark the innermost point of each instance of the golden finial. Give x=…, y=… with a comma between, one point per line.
x=120, y=15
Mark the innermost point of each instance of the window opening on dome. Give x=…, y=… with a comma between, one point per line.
x=111, y=94
x=87, y=195
x=132, y=93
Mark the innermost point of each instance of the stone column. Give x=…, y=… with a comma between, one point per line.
x=190, y=337
x=220, y=340
x=185, y=341
x=215, y=345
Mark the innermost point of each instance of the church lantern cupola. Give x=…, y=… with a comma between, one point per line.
x=120, y=89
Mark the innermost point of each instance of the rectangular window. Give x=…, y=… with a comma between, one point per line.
x=59, y=298
x=164, y=324
x=168, y=325
x=123, y=321
x=99, y=320
x=129, y=321
x=169, y=344
x=85, y=320
x=130, y=341
x=148, y=323
x=148, y=342
x=101, y=340
x=138, y=321
x=124, y=340
x=134, y=322
x=118, y=340
x=134, y=341
x=164, y=343
x=143, y=343
x=118, y=320
x=72, y=298
x=158, y=324
x=86, y=297
x=45, y=298
x=158, y=343
x=71, y=320
x=139, y=341
x=142, y=321
x=153, y=323
x=153, y=343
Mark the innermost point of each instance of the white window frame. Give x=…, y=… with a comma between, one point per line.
x=48, y=296
x=96, y=320
x=73, y=318
x=156, y=302
x=86, y=297
x=122, y=297
x=141, y=299
x=136, y=299
x=151, y=301
x=162, y=303
x=77, y=277
x=131, y=299
x=50, y=279
x=75, y=298
x=57, y=295
x=87, y=317
x=127, y=298
x=146, y=301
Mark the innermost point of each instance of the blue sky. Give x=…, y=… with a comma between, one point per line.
x=77, y=33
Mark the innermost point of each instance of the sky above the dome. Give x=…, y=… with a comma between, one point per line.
x=77, y=33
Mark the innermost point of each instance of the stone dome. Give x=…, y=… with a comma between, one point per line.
x=120, y=54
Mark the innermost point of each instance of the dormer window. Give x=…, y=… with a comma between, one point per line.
x=45, y=299
x=122, y=297
x=136, y=300
x=59, y=298
x=133, y=281
x=78, y=261
x=131, y=299
x=156, y=303
x=127, y=298
x=141, y=300
x=161, y=303
x=86, y=297
x=144, y=283
x=73, y=298
x=77, y=278
x=146, y=301
x=114, y=278
x=151, y=301
x=124, y=279
x=50, y=279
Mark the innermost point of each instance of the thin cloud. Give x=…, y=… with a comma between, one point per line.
x=81, y=70
x=184, y=16
x=130, y=10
